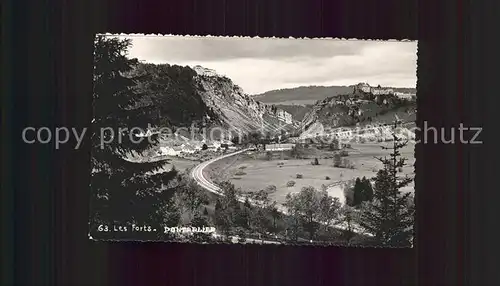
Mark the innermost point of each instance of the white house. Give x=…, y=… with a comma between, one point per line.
x=279, y=147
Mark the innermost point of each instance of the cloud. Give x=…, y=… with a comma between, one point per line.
x=376, y=61
x=259, y=65
x=220, y=48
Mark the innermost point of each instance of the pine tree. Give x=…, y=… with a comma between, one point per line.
x=367, y=190
x=123, y=193
x=390, y=217
x=275, y=214
x=357, y=192
x=222, y=219
x=362, y=192
x=201, y=221
x=241, y=217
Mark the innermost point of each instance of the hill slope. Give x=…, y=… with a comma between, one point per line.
x=357, y=108
x=306, y=95
x=301, y=95
x=236, y=109
x=199, y=97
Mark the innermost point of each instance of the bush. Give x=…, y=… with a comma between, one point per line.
x=270, y=189
x=204, y=147
x=334, y=146
x=299, y=176
x=327, y=178
x=240, y=232
x=235, y=140
x=346, y=163
x=269, y=155
x=290, y=183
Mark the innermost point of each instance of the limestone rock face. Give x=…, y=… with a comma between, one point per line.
x=365, y=106
x=238, y=110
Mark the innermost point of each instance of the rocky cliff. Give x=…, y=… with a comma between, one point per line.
x=197, y=96
x=361, y=107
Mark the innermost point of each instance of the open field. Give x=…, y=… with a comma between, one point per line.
x=252, y=172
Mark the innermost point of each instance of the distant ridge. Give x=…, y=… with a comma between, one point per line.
x=301, y=95
x=306, y=95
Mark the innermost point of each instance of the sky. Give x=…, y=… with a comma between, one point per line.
x=261, y=64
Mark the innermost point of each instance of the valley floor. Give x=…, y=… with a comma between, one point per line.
x=252, y=173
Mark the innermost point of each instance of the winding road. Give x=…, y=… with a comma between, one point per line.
x=197, y=175
x=197, y=172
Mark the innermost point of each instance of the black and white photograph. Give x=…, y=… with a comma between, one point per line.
x=205, y=139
